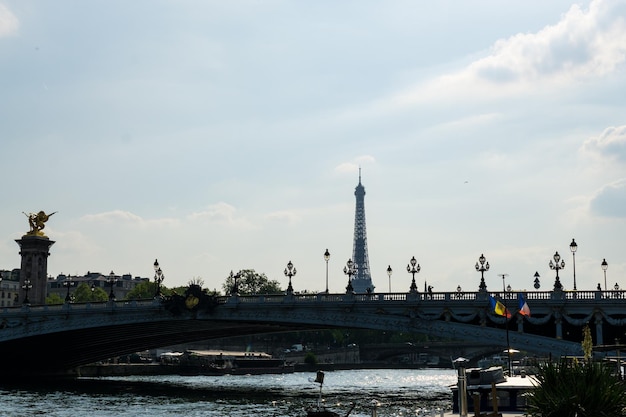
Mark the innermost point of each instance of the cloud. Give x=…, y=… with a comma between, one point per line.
x=113, y=216
x=121, y=217
x=353, y=166
x=611, y=144
x=285, y=216
x=9, y=24
x=222, y=213
x=610, y=201
x=584, y=44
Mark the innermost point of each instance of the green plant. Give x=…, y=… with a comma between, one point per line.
x=310, y=358
x=573, y=389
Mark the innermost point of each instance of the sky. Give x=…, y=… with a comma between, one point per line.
x=217, y=136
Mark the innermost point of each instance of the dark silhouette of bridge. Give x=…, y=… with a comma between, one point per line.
x=54, y=339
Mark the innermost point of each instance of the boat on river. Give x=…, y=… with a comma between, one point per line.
x=488, y=390
x=198, y=362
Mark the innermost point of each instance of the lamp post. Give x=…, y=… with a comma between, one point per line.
x=289, y=272
x=389, y=272
x=68, y=283
x=112, y=280
x=573, y=247
x=158, y=278
x=537, y=284
x=235, y=288
x=349, y=270
x=326, y=258
x=506, y=319
x=413, y=268
x=503, y=276
x=26, y=287
x=481, y=266
x=604, y=267
x=93, y=290
x=558, y=264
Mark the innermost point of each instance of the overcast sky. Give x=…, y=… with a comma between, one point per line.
x=227, y=135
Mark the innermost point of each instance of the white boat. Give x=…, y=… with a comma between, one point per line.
x=490, y=391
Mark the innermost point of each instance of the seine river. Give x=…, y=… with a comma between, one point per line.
x=400, y=392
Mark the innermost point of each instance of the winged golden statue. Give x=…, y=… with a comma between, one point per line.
x=37, y=221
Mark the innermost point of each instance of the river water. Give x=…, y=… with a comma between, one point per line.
x=400, y=392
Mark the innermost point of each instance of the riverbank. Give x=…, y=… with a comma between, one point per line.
x=129, y=369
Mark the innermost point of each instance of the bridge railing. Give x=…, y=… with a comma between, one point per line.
x=596, y=296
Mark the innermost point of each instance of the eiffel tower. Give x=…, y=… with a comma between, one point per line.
x=362, y=280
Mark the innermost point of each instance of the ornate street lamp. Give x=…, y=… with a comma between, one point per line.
x=234, y=277
x=326, y=258
x=604, y=267
x=573, y=247
x=93, y=290
x=349, y=270
x=68, y=283
x=459, y=291
x=158, y=278
x=26, y=287
x=289, y=272
x=537, y=284
x=413, y=268
x=389, y=272
x=481, y=266
x=112, y=280
x=558, y=264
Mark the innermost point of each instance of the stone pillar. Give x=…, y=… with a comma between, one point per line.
x=558, y=322
x=34, y=251
x=599, y=335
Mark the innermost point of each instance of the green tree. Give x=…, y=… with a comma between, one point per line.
x=85, y=294
x=144, y=290
x=573, y=389
x=250, y=282
x=54, y=298
x=310, y=358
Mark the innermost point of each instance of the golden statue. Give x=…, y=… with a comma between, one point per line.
x=37, y=223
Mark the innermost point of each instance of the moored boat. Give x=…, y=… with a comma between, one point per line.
x=195, y=362
x=488, y=390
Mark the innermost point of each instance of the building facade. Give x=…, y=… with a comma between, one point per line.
x=63, y=284
x=9, y=288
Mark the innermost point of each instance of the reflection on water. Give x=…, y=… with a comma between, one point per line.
x=401, y=392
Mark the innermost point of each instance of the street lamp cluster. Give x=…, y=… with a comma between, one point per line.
x=68, y=283
x=158, y=278
x=482, y=266
x=290, y=271
x=413, y=268
x=351, y=268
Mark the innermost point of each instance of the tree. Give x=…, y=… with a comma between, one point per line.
x=250, y=282
x=144, y=290
x=54, y=298
x=85, y=294
x=573, y=389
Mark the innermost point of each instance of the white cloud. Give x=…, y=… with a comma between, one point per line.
x=222, y=213
x=610, y=201
x=285, y=216
x=353, y=166
x=611, y=144
x=9, y=24
x=583, y=44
